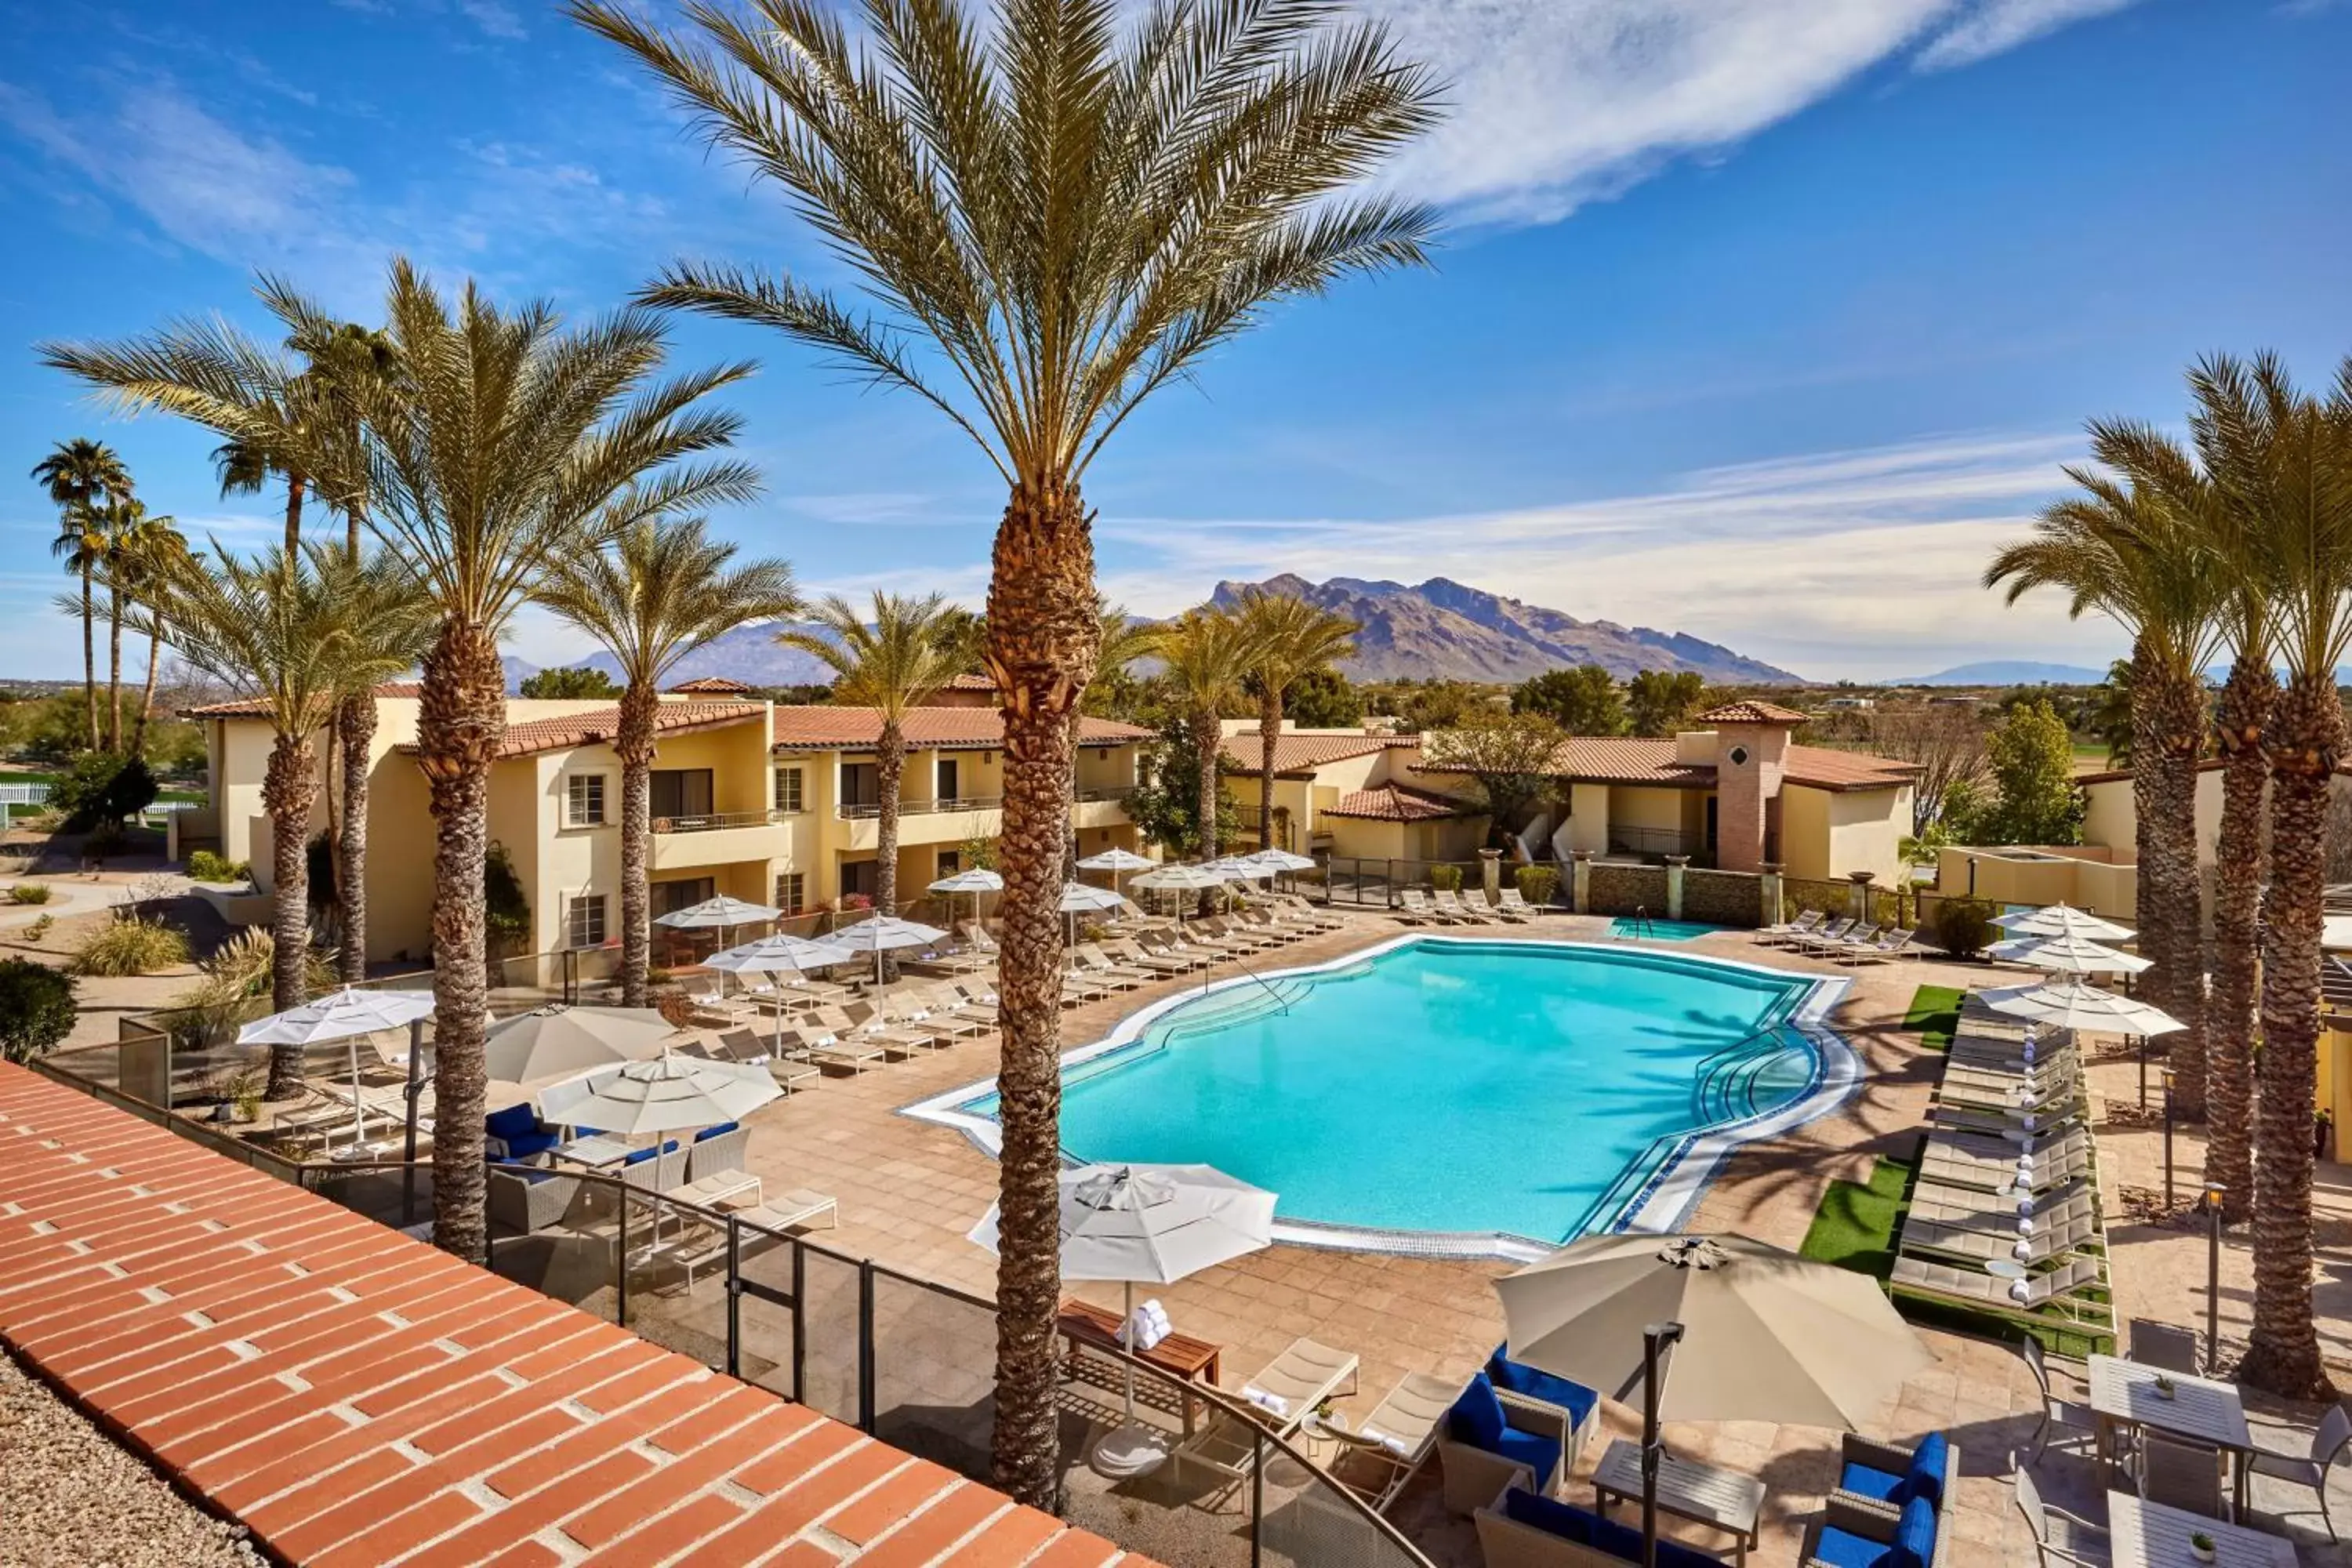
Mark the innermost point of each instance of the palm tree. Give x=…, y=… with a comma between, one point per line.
x=661, y=592
x=1205, y=656
x=143, y=563
x=508, y=443
x=1288, y=638
x=79, y=475
x=2281, y=463
x=286, y=630
x=124, y=531
x=2128, y=549
x=900, y=660
x=1066, y=213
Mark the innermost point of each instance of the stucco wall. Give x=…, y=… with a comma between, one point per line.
x=1805, y=847
x=1864, y=827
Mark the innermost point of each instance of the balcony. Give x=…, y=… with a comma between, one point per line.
x=717, y=838
x=955, y=819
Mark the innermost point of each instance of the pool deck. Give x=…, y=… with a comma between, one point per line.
x=909, y=1191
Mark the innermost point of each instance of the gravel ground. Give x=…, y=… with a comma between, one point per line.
x=71, y=1498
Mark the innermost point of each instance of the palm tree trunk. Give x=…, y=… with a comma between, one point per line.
x=889, y=768
x=2283, y=1350
x=2177, y=710
x=290, y=788
x=1269, y=725
x=1043, y=640
x=1208, y=744
x=633, y=740
x=461, y=718
x=147, y=693
x=89, y=656
x=2232, y=1016
x=114, y=669
x=294, y=486
x=354, y=738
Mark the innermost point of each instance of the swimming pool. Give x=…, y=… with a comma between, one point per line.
x=1457, y=1095
x=1640, y=927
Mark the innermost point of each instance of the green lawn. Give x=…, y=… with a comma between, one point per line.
x=1936, y=1014
x=1855, y=1227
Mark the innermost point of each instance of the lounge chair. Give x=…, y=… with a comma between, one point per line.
x=975, y=936
x=2047, y=1098
x=2045, y=1078
x=1807, y=923
x=1829, y=931
x=1305, y=912
x=2051, y=1241
x=790, y=1211
x=1400, y=1435
x=1891, y=943
x=1512, y=907
x=1449, y=902
x=1974, y=1210
x=1882, y=1478
x=1133, y=955
x=1282, y=1394
x=1838, y=946
x=1416, y=902
x=2052, y=1166
x=869, y=1023
x=1950, y=1117
x=2061, y=1288
x=1090, y=957
x=826, y=1048
x=921, y=1010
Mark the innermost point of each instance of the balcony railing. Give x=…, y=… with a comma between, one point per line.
x=866, y=811
x=710, y=822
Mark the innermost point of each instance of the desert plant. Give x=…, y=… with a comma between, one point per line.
x=40, y=928
x=245, y=1094
x=205, y=866
x=1538, y=883
x=31, y=893
x=1963, y=927
x=238, y=973
x=132, y=945
x=1446, y=878
x=37, y=1008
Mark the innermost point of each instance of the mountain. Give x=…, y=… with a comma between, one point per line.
x=518, y=670
x=750, y=654
x=1444, y=628
x=2008, y=672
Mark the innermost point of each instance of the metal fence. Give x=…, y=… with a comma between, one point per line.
x=908, y=1360
x=1349, y=880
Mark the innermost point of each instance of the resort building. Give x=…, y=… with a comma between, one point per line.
x=770, y=804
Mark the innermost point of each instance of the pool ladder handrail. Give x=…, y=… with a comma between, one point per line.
x=1270, y=989
x=1640, y=925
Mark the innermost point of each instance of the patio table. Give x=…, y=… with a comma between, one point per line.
x=1704, y=1494
x=2151, y=1535
x=2202, y=1409
x=596, y=1150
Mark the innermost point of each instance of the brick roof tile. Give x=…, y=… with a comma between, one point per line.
x=1397, y=802
x=568, y=729
x=254, y=707
x=1294, y=754
x=825, y=729
x=1751, y=710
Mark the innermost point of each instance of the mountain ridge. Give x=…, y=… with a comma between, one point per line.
x=2008, y=672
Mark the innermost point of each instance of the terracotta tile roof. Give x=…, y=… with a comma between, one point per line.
x=1628, y=760
x=823, y=729
x=713, y=685
x=595, y=724
x=357, y=1398
x=1749, y=711
x=1296, y=754
x=254, y=707
x=1821, y=767
x=971, y=683
x=1397, y=802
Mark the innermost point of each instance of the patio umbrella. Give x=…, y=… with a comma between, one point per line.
x=667, y=1094
x=2071, y=1005
x=559, y=1040
x=344, y=1015
x=1116, y=860
x=1181, y=878
x=1157, y=1224
x=1284, y=861
x=775, y=954
x=2063, y=919
x=882, y=933
x=1078, y=898
x=1757, y=1334
x=2068, y=955
x=976, y=881
x=720, y=914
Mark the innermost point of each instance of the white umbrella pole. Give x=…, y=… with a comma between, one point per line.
x=359, y=1123
x=1128, y=1365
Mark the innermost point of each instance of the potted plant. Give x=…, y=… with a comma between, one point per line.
x=2164, y=1385
x=2201, y=1546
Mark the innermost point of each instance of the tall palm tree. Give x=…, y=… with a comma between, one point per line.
x=144, y=560
x=287, y=629
x=2128, y=549
x=79, y=475
x=508, y=443
x=124, y=531
x=1289, y=637
x=662, y=591
x=900, y=660
x=1205, y=656
x=1058, y=214
x=2281, y=462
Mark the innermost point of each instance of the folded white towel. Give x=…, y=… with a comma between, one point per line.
x=919, y=1015
x=1272, y=1404
x=1394, y=1444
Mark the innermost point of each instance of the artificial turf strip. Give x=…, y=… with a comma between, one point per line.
x=1936, y=1014
x=1856, y=1225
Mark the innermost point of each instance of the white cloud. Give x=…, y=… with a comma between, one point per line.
x=496, y=20
x=2002, y=24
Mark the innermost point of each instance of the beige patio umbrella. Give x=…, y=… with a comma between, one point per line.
x=1756, y=1335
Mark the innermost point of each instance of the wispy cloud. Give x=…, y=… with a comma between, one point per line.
x=496, y=20
x=2003, y=25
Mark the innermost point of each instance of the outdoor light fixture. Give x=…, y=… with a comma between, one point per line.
x=2168, y=1141
x=2214, y=1194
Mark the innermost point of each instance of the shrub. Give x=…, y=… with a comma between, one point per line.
x=204, y=865
x=107, y=838
x=1538, y=883
x=40, y=928
x=102, y=788
x=1963, y=927
x=31, y=893
x=37, y=1008
x=1446, y=878
x=132, y=946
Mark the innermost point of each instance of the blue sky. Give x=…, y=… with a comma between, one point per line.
x=1762, y=320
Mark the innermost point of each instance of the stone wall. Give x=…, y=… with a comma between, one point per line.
x=1722, y=898
x=1829, y=898
x=1621, y=889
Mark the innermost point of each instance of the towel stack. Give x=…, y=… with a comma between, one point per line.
x=1145, y=1327
x=1272, y=1404
x=1394, y=1444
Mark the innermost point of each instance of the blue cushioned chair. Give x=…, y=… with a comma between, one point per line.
x=1517, y=1377
x=1522, y=1530
x=1490, y=1435
x=1882, y=1479
x=1849, y=1537
x=515, y=1133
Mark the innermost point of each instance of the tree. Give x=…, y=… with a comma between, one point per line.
x=575, y=682
x=1204, y=656
x=1422, y=706
x=37, y=1008
x=132, y=540
x=1945, y=741
x=2108, y=714
x=290, y=631
x=1071, y=211
x=1658, y=701
x=1584, y=700
x=2280, y=462
x=2031, y=763
x=510, y=441
x=1512, y=759
x=664, y=590
x=81, y=476
x=1325, y=699
x=1287, y=637
x=911, y=649
x=1165, y=804
x=143, y=563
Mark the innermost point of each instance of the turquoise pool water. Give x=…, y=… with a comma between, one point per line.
x=1459, y=1086
x=1632, y=926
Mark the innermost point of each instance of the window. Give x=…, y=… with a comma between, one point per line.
x=583, y=800
x=792, y=890
x=951, y=862
x=681, y=792
x=861, y=785
x=788, y=790
x=859, y=878
x=946, y=779
x=584, y=920
x=668, y=898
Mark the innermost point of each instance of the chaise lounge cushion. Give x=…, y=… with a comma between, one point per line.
x=1585, y=1528
x=720, y=1130
x=1517, y=1377
x=517, y=1127
x=1914, y=1545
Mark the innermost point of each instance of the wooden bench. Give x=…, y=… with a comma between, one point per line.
x=1181, y=1356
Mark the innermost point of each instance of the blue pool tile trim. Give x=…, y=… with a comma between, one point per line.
x=1663, y=1201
